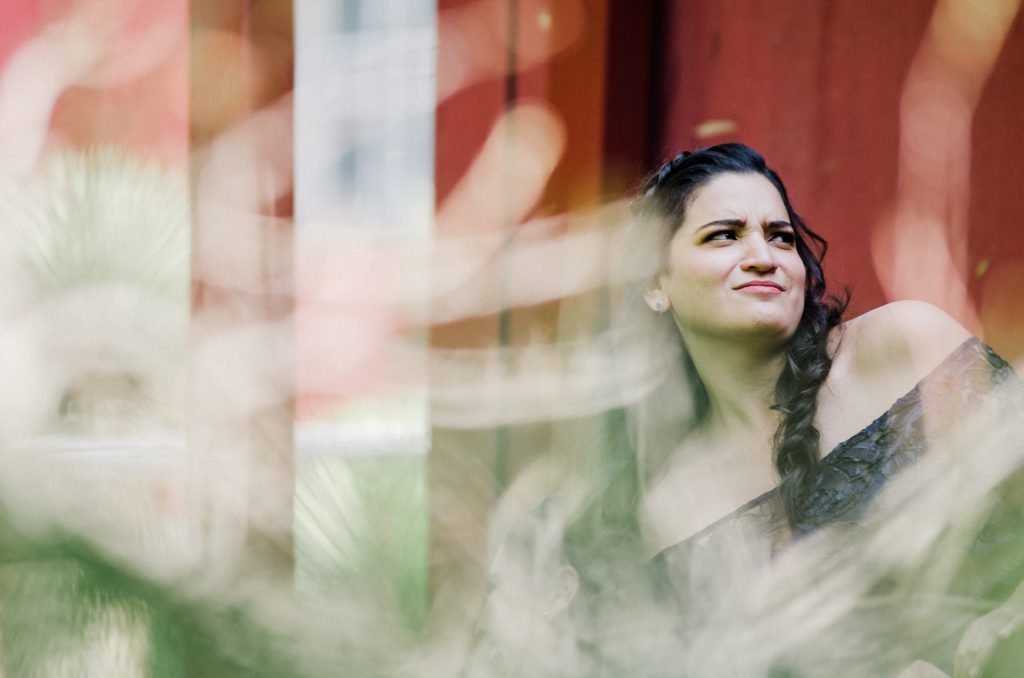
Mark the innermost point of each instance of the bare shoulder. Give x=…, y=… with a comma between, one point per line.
x=879, y=357
x=903, y=340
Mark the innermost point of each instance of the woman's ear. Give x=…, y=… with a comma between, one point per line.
x=656, y=298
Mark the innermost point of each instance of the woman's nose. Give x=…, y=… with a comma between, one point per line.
x=758, y=256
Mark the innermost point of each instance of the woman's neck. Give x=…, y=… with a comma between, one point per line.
x=739, y=376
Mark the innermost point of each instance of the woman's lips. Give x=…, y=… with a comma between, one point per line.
x=761, y=287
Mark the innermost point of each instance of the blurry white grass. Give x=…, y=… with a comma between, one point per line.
x=96, y=302
x=544, y=381
x=361, y=532
x=112, y=643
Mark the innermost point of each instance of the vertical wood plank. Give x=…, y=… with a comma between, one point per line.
x=241, y=352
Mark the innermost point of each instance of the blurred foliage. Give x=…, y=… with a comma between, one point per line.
x=361, y=528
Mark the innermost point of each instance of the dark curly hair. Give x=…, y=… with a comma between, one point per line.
x=665, y=196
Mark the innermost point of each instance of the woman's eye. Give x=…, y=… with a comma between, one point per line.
x=721, y=235
x=785, y=237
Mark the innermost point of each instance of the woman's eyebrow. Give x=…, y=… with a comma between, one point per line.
x=735, y=223
x=740, y=223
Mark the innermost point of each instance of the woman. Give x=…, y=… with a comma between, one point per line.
x=799, y=420
x=777, y=373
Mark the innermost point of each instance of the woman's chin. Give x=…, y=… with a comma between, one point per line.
x=756, y=331
x=767, y=328
x=773, y=322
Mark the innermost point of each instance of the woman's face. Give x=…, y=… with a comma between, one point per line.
x=733, y=268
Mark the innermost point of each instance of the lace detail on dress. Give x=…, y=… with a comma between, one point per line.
x=852, y=473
